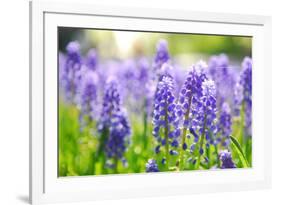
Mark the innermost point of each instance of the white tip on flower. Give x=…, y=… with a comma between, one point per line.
x=209, y=88
x=201, y=65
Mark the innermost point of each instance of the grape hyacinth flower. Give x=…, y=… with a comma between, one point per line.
x=189, y=101
x=246, y=78
x=162, y=56
x=208, y=106
x=224, y=124
x=246, y=83
x=162, y=53
x=111, y=103
x=218, y=66
x=224, y=77
x=205, y=118
x=226, y=160
x=151, y=166
x=88, y=101
x=142, y=87
x=127, y=74
x=243, y=96
x=70, y=76
x=62, y=60
x=164, y=116
x=179, y=75
x=238, y=98
x=114, y=125
x=144, y=94
x=91, y=59
x=119, y=136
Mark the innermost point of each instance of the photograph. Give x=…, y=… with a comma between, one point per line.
x=133, y=101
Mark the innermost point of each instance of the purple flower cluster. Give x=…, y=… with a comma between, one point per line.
x=111, y=104
x=91, y=60
x=224, y=124
x=224, y=77
x=226, y=160
x=113, y=120
x=88, y=101
x=164, y=115
x=243, y=94
x=70, y=75
x=204, y=121
x=118, y=140
x=191, y=94
x=151, y=166
x=246, y=83
x=207, y=113
x=194, y=110
x=162, y=54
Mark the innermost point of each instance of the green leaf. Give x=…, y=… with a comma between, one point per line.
x=239, y=150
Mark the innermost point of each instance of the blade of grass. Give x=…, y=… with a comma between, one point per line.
x=239, y=150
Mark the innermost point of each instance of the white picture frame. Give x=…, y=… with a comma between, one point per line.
x=46, y=187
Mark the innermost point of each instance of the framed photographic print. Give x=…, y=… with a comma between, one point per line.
x=127, y=102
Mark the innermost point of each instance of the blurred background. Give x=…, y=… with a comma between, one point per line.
x=185, y=48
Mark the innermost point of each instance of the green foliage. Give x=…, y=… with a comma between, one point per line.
x=238, y=149
x=79, y=155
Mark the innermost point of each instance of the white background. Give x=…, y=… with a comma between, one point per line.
x=14, y=100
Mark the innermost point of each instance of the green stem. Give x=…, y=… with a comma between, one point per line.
x=218, y=157
x=181, y=166
x=201, y=143
x=166, y=139
x=145, y=127
x=242, y=123
x=208, y=155
x=116, y=165
x=100, y=151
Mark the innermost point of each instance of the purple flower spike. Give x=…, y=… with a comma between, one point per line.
x=70, y=73
x=164, y=116
x=190, y=95
x=151, y=166
x=207, y=115
x=88, y=95
x=91, y=60
x=114, y=119
x=120, y=132
x=225, y=123
x=246, y=78
x=224, y=76
x=161, y=57
x=246, y=82
x=111, y=103
x=162, y=53
x=226, y=160
x=204, y=118
x=73, y=49
x=243, y=94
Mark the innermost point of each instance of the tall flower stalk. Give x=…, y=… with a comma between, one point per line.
x=88, y=99
x=224, y=125
x=164, y=118
x=162, y=54
x=206, y=117
x=243, y=100
x=113, y=126
x=246, y=83
x=189, y=100
x=71, y=72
